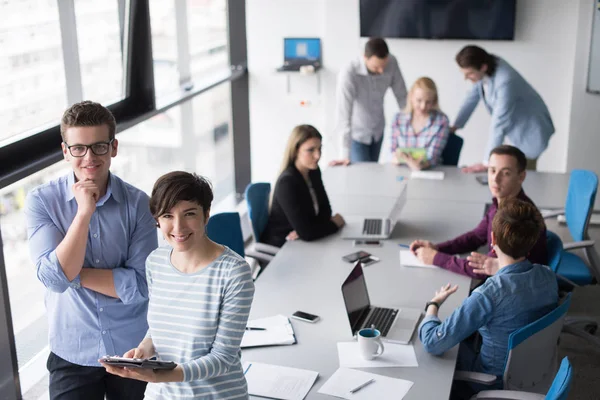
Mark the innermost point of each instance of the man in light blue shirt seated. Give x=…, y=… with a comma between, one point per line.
x=89, y=236
x=519, y=293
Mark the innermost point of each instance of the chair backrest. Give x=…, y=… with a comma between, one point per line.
x=532, y=358
x=257, y=198
x=580, y=202
x=226, y=229
x=562, y=382
x=451, y=152
x=555, y=249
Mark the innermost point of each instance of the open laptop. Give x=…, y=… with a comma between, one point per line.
x=374, y=228
x=298, y=52
x=395, y=324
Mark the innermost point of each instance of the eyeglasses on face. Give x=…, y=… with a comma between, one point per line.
x=80, y=150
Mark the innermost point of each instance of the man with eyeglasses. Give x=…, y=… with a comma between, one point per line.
x=89, y=236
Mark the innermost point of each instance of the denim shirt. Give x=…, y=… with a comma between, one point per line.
x=85, y=325
x=517, y=295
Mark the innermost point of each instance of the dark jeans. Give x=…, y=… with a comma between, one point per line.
x=360, y=152
x=70, y=381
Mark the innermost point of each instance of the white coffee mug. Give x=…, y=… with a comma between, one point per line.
x=369, y=343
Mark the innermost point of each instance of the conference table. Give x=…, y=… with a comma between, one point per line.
x=307, y=276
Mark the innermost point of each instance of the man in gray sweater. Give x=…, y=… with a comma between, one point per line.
x=361, y=86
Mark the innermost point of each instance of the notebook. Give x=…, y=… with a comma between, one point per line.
x=277, y=382
x=408, y=259
x=278, y=331
x=344, y=380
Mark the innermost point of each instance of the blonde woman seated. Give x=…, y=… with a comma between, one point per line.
x=300, y=207
x=420, y=131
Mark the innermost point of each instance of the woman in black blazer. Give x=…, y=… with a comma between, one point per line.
x=299, y=206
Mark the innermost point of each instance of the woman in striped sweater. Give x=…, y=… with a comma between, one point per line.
x=200, y=296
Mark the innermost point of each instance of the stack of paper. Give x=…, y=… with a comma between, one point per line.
x=395, y=355
x=408, y=259
x=435, y=175
x=278, y=382
x=278, y=331
x=344, y=380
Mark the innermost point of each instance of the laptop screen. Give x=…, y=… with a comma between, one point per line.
x=302, y=49
x=356, y=297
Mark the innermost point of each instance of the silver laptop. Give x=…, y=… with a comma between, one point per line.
x=396, y=324
x=374, y=228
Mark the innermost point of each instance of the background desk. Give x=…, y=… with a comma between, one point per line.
x=307, y=276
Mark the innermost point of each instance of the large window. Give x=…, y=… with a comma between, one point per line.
x=33, y=91
x=162, y=67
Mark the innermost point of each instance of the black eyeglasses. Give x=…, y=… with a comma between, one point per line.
x=80, y=150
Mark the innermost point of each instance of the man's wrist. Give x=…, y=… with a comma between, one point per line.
x=432, y=303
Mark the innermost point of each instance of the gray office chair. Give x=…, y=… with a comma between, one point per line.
x=558, y=391
x=532, y=358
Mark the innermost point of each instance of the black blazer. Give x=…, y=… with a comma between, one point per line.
x=292, y=209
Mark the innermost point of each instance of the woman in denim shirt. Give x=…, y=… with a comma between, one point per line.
x=518, y=294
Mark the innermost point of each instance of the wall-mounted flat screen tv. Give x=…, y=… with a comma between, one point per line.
x=438, y=19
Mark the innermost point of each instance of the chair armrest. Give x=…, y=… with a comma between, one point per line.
x=508, y=394
x=552, y=213
x=266, y=248
x=566, y=280
x=578, y=245
x=475, y=377
x=260, y=256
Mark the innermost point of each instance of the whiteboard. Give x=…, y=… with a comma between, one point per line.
x=593, y=83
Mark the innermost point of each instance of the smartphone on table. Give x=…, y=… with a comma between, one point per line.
x=306, y=317
x=365, y=258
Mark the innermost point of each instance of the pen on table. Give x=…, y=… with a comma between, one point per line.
x=250, y=328
x=356, y=389
x=404, y=245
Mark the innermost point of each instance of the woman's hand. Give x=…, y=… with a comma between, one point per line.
x=293, y=235
x=338, y=220
x=421, y=243
x=483, y=264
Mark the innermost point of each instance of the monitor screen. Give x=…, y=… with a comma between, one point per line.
x=438, y=19
x=356, y=297
x=302, y=49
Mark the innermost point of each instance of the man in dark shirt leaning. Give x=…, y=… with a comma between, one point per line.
x=506, y=173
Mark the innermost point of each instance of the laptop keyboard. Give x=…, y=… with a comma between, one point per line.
x=372, y=226
x=382, y=318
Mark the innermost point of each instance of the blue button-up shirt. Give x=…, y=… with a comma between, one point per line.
x=85, y=325
x=517, y=295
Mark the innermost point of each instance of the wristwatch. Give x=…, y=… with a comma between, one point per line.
x=429, y=303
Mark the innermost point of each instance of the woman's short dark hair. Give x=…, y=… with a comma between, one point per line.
x=517, y=226
x=508, y=150
x=376, y=47
x=178, y=186
x=475, y=57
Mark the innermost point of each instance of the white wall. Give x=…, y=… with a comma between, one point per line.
x=543, y=51
x=584, y=138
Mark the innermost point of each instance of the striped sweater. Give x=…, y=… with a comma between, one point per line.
x=198, y=320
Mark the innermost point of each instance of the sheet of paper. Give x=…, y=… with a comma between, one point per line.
x=344, y=380
x=395, y=355
x=435, y=175
x=408, y=259
x=277, y=382
x=278, y=331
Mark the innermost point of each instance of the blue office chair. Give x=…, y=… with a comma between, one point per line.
x=257, y=198
x=554, y=247
x=451, y=152
x=558, y=391
x=226, y=229
x=532, y=358
x=581, y=195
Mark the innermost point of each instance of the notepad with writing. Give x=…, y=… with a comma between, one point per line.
x=278, y=331
x=408, y=259
x=277, y=382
